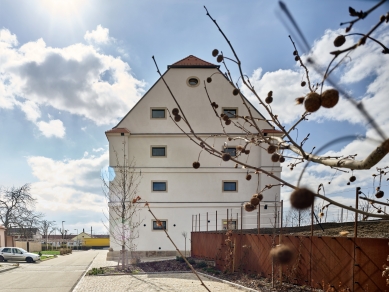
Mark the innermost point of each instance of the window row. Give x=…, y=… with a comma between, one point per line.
x=162, y=224
x=227, y=186
x=160, y=113
x=160, y=151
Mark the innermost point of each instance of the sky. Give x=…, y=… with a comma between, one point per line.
x=71, y=69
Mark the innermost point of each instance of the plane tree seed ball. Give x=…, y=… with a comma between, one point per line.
x=226, y=156
x=215, y=52
x=247, y=151
x=282, y=159
x=248, y=177
x=269, y=99
x=271, y=149
x=294, y=53
x=302, y=198
x=249, y=207
x=177, y=118
x=254, y=201
x=259, y=196
x=235, y=91
x=219, y=58
x=339, y=40
x=353, y=178
x=282, y=254
x=312, y=102
x=275, y=157
x=209, y=79
x=303, y=83
x=379, y=194
x=175, y=111
x=329, y=98
x=270, y=93
x=228, y=122
x=196, y=164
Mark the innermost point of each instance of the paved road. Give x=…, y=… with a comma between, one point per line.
x=60, y=274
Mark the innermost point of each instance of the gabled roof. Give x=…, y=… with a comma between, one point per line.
x=117, y=130
x=192, y=62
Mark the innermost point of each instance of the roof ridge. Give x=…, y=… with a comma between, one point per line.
x=192, y=61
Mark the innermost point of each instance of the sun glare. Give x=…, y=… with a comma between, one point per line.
x=63, y=7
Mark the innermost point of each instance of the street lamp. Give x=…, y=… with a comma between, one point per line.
x=77, y=237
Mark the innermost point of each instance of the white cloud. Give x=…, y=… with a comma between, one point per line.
x=76, y=183
x=366, y=61
x=77, y=79
x=99, y=36
x=54, y=128
x=7, y=38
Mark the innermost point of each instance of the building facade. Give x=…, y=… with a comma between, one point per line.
x=184, y=198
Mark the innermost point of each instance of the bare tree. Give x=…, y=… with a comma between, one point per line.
x=44, y=226
x=283, y=146
x=28, y=223
x=15, y=204
x=121, y=193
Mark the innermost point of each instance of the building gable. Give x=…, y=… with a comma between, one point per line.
x=192, y=99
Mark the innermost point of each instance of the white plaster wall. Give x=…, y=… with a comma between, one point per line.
x=193, y=101
x=190, y=191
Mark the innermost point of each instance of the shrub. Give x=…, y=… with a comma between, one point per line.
x=192, y=261
x=202, y=264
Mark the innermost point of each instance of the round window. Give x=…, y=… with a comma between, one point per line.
x=193, y=81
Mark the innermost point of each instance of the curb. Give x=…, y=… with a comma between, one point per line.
x=9, y=269
x=227, y=282
x=75, y=287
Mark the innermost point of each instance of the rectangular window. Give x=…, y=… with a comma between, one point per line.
x=231, y=224
x=159, y=225
x=158, y=151
x=231, y=150
x=231, y=112
x=158, y=113
x=230, y=186
x=159, y=186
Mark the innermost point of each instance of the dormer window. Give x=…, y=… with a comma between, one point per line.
x=192, y=81
x=230, y=112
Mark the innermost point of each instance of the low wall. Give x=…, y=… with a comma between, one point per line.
x=114, y=255
x=29, y=246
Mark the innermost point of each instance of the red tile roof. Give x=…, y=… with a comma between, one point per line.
x=118, y=130
x=192, y=61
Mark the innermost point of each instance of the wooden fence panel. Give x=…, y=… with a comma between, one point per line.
x=318, y=261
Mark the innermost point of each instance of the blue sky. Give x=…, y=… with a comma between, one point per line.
x=69, y=70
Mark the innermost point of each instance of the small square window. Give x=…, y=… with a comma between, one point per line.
x=230, y=112
x=158, y=113
x=159, y=225
x=159, y=186
x=230, y=186
x=232, y=224
x=158, y=151
x=230, y=150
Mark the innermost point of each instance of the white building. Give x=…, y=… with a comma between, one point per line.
x=173, y=188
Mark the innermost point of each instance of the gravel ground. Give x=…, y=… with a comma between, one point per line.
x=146, y=282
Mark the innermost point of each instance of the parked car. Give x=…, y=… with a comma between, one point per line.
x=17, y=254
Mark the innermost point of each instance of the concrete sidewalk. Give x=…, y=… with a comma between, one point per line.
x=7, y=266
x=169, y=281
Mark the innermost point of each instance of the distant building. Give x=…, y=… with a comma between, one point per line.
x=2, y=235
x=164, y=155
x=25, y=234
